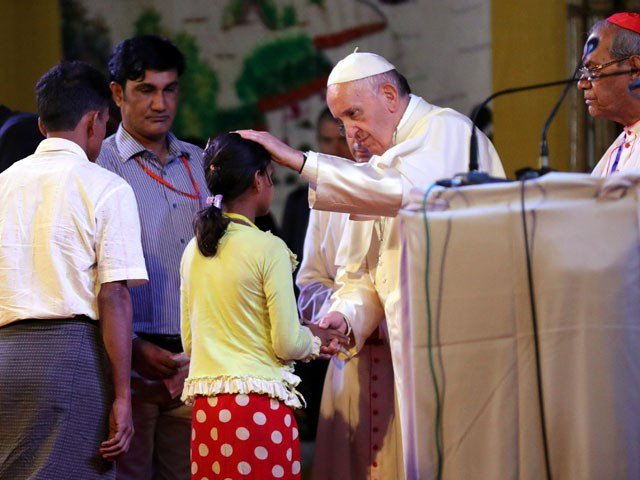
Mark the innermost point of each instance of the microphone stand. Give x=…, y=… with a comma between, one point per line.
x=474, y=176
x=473, y=162
x=544, y=168
x=544, y=147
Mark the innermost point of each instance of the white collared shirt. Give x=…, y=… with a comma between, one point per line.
x=66, y=226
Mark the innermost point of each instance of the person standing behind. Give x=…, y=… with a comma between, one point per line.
x=617, y=49
x=69, y=245
x=19, y=138
x=296, y=211
x=294, y=228
x=240, y=326
x=168, y=181
x=358, y=432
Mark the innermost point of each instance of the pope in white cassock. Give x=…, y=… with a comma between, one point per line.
x=414, y=144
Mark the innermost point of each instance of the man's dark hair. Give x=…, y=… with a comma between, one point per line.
x=68, y=91
x=132, y=57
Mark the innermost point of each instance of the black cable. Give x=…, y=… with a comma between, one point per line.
x=534, y=319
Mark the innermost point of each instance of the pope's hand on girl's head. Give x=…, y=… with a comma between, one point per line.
x=280, y=152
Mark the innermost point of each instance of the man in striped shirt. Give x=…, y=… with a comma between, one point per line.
x=168, y=181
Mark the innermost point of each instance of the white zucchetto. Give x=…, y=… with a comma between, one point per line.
x=358, y=65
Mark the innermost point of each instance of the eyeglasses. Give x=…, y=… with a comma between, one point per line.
x=592, y=73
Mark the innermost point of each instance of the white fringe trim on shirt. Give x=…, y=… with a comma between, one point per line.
x=284, y=390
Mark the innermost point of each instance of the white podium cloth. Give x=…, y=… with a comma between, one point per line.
x=585, y=240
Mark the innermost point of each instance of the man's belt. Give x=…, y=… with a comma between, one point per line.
x=173, y=343
x=46, y=321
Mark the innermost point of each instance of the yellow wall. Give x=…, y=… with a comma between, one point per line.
x=528, y=44
x=30, y=36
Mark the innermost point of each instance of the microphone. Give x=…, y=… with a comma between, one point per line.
x=473, y=145
x=592, y=44
x=462, y=179
x=474, y=176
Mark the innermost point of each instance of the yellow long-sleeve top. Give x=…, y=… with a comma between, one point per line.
x=239, y=322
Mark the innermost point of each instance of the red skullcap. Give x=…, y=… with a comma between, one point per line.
x=626, y=20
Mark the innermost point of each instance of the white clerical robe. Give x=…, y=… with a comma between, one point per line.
x=431, y=143
x=358, y=431
x=626, y=149
x=318, y=268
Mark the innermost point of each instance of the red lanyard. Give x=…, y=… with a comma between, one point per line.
x=167, y=184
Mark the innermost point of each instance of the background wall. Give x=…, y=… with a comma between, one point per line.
x=454, y=53
x=263, y=63
x=31, y=43
x=529, y=38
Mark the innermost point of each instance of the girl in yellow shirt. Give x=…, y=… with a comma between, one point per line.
x=240, y=325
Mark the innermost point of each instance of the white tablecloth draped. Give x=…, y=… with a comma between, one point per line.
x=585, y=240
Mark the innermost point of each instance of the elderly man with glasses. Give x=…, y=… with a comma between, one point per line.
x=618, y=50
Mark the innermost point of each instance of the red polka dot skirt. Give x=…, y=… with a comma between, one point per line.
x=244, y=436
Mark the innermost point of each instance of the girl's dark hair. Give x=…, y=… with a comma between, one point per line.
x=230, y=164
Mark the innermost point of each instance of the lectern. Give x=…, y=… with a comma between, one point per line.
x=584, y=239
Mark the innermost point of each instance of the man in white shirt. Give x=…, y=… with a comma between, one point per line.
x=69, y=247
x=617, y=50
x=414, y=144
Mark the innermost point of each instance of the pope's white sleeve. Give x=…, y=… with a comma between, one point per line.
x=356, y=298
x=358, y=188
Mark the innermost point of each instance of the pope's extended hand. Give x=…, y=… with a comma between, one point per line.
x=280, y=151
